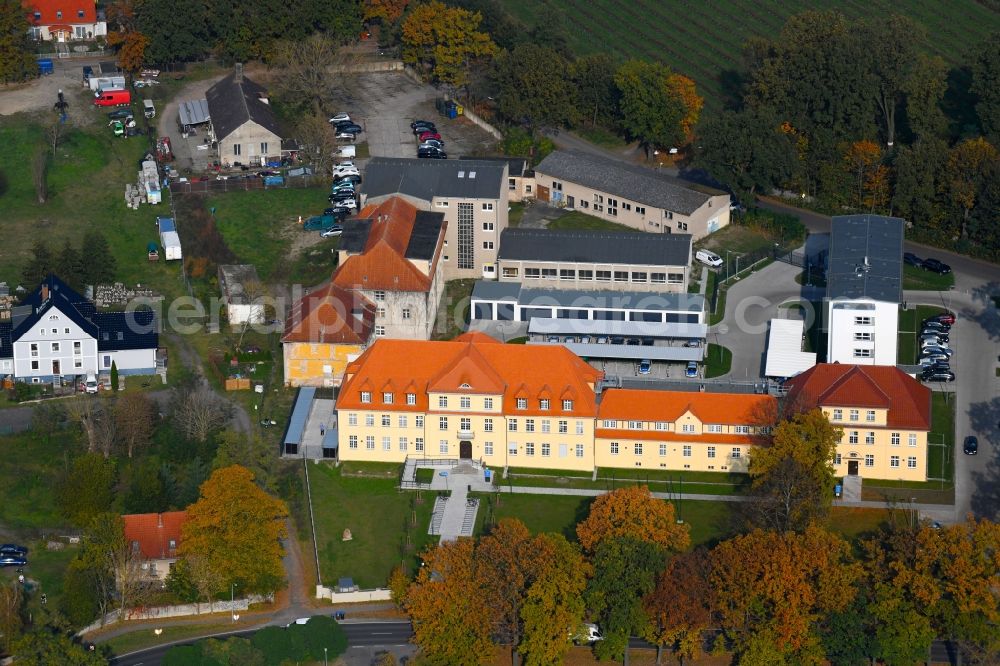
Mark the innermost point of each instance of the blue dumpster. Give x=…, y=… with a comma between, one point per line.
x=452, y=112
x=488, y=475
x=45, y=67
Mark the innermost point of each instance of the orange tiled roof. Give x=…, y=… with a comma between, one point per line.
x=872, y=386
x=330, y=315
x=661, y=436
x=154, y=532
x=383, y=264
x=70, y=10
x=720, y=408
x=486, y=367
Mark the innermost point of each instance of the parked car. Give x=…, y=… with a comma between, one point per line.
x=933, y=341
x=347, y=136
x=335, y=230
x=90, y=385
x=693, y=343
x=416, y=124
x=971, y=446
x=911, y=259
x=691, y=370
x=120, y=114
x=339, y=201
x=935, y=375
x=434, y=143
x=430, y=134
x=645, y=366
x=340, y=117
x=13, y=549
x=588, y=633
x=349, y=178
x=946, y=318
x=342, y=187
x=345, y=170
x=601, y=340
x=937, y=364
x=708, y=258
x=935, y=266
x=937, y=335
x=11, y=560
x=936, y=325
x=936, y=349
x=432, y=153
x=353, y=128
x=338, y=211
x=935, y=359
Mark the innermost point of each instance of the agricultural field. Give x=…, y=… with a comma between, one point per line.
x=703, y=40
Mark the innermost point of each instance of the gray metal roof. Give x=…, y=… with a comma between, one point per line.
x=605, y=247
x=638, y=329
x=487, y=290
x=624, y=180
x=866, y=258
x=426, y=179
x=193, y=112
x=300, y=414
x=632, y=352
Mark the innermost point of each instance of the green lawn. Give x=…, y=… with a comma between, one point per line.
x=315, y=264
x=29, y=469
x=918, y=278
x=515, y=214
x=453, y=313
x=602, y=137
x=852, y=522
x=377, y=514
x=577, y=220
x=718, y=361
x=86, y=180
x=704, y=40
x=259, y=226
x=145, y=638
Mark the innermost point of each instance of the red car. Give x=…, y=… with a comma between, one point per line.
x=946, y=318
x=430, y=135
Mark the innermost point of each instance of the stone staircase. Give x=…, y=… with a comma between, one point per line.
x=440, y=503
x=469, y=519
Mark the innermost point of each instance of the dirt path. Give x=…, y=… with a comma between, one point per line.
x=42, y=93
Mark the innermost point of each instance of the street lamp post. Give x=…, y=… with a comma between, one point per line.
x=232, y=601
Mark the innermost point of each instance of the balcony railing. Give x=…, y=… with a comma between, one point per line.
x=465, y=434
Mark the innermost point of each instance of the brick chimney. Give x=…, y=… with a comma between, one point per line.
x=159, y=520
x=239, y=73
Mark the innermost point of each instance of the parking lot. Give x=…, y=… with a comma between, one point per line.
x=385, y=103
x=657, y=370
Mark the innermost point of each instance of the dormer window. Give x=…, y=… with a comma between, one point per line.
x=411, y=398
x=366, y=397
x=567, y=405
x=543, y=403
x=522, y=403
x=173, y=544
x=58, y=14
x=387, y=398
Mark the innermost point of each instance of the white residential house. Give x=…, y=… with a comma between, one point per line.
x=57, y=333
x=864, y=287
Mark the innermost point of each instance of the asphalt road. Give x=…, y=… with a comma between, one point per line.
x=361, y=634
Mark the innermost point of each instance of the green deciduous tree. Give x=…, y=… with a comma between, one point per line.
x=250, y=451
x=11, y=608
x=43, y=647
x=891, y=44
x=554, y=600
x=969, y=165
x=444, y=40
x=920, y=174
x=625, y=571
x=176, y=29
x=986, y=86
x=87, y=488
x=924, y=89
x=792, y=478
x=746, y=150
x=533, y=88
x=593, y=77
x=652, y=111
x=16, y=60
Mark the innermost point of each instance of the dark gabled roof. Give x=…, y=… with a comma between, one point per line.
x=60, y=296
x=126, y=330
x=424, y=236
x=354, y=237
x=866, y=258
x=426, y=179
x=6, y=348
x=516, y=166
x=611, y=247
x=231, y=104
x=624, y=180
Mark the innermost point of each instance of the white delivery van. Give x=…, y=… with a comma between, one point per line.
x=347, y=151
x=148, y=109
x=91, y=385
x=708, y=258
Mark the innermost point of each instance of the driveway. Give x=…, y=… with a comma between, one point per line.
x=385, y=103
x=188, y=157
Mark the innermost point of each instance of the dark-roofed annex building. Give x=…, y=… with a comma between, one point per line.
x=619, y=260
x=629, y=194
x=244, y=125
x=864, y=286
x=471, y=194
x=56, y=333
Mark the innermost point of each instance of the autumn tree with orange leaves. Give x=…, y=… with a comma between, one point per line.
x=237, y=528
x=770, y=589
x=863, y=159
x=124, y=36
x=684, y=89
x=632, y=512
x=678, y=608
x=387, y=11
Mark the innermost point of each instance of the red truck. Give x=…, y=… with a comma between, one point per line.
x=112, y=98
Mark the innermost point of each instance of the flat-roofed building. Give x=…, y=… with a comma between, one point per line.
x=618, y=260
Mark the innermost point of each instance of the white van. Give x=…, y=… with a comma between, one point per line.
x=708, y=258
x=347, y=151
x=91, y=385
x=148, y=109
x=587, y=633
